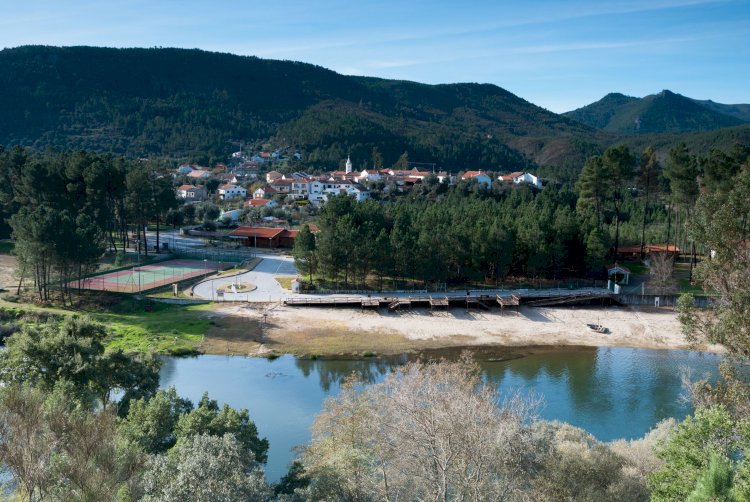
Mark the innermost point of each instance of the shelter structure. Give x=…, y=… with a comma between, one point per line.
x=618, y=273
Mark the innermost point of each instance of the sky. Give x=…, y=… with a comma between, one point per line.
x=559, y=54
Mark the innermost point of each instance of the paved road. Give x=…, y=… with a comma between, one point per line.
x=262, y=276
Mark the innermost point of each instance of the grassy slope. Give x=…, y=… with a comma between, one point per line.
x=166, y=329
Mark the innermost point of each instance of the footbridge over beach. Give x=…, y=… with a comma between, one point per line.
x=478, y=299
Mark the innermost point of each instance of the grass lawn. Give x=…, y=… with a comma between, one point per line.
x=285, y=281
x=232, y=271
x=637, y=267
x=162, y=329
x=682, y=276
x=165, y=329
x=168, y=294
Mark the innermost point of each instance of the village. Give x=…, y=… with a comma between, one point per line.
x=249, y=183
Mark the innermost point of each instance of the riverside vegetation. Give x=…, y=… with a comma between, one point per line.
x=78, y=422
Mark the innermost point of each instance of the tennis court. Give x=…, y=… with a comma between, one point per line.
x=146, y=277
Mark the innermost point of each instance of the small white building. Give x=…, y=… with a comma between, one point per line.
x=479, y=176
x=321, y=190
x=230, y=216
x=273, y=175
x=519, y=177
x=528, y=179
x=369, y=175
x=191, y=193
x=229, y=192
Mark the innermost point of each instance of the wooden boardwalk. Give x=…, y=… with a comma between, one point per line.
x=477, y=299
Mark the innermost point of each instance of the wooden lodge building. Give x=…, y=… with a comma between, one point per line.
x=634, y=252
x=264, y=237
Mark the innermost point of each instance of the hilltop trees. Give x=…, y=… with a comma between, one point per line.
x=457, y=238
x=602, y=187
x=73, y=351
x=304, y=252
x=649, y=182
x=65, y=209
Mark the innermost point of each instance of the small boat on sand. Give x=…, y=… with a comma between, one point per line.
x=598, y=328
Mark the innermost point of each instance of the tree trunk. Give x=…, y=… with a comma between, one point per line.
x=145, y=239
x=643, y=228
x=692, y=260
x=158, y=248
x=669, y=226
x=20, y=281
x=617, y=230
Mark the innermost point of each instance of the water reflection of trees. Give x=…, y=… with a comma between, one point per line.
x=577, y=369
x=332, y=373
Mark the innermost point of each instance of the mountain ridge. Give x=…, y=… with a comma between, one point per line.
x=664, y=112
x=195, y=106
x=182, y=102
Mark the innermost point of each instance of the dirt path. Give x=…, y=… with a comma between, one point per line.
x=8, y=265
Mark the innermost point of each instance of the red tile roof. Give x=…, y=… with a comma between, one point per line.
x=256, y=202
x=259, y=232
x=471, y=174
x=280, y=182
x=511, y=176
x=650, y=248
x=289, y=234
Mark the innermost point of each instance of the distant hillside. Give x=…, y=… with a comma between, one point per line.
x=665, y=112
x=191, y=104
x=739, y=111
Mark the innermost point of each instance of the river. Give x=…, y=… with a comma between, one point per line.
x=611, y=392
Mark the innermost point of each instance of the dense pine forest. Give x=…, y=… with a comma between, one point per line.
x=64, y=210
x=440, y=234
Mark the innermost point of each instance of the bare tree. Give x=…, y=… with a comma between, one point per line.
x=661, y=271
x=56, y=450
x=26, y=444
x=431, y=431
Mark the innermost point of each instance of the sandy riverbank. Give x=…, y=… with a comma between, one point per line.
x=326, y=331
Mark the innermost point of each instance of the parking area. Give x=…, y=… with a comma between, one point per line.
x=262, y=276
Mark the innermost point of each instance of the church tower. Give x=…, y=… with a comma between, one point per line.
x=348, y=165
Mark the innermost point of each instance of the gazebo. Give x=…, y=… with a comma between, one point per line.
x=618, y=273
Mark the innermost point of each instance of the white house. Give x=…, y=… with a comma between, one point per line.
x=229, y=192
x=300, y=188
x=479, y=176
x=371, y=175
x=273, y=175
x=230, y=216
x=321, y=190
x=190, y=193
x=529, y=179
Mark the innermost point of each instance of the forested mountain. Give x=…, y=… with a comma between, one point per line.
x=665, y=112
x=192, y=104
x=739, y=111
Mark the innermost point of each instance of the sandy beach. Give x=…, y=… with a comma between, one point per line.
x=328, y=331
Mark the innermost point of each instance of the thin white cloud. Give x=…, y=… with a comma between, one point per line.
x=593, y=46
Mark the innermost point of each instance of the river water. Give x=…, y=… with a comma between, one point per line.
x=611, y=392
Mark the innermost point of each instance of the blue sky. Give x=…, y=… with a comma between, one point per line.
x=558, y=54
